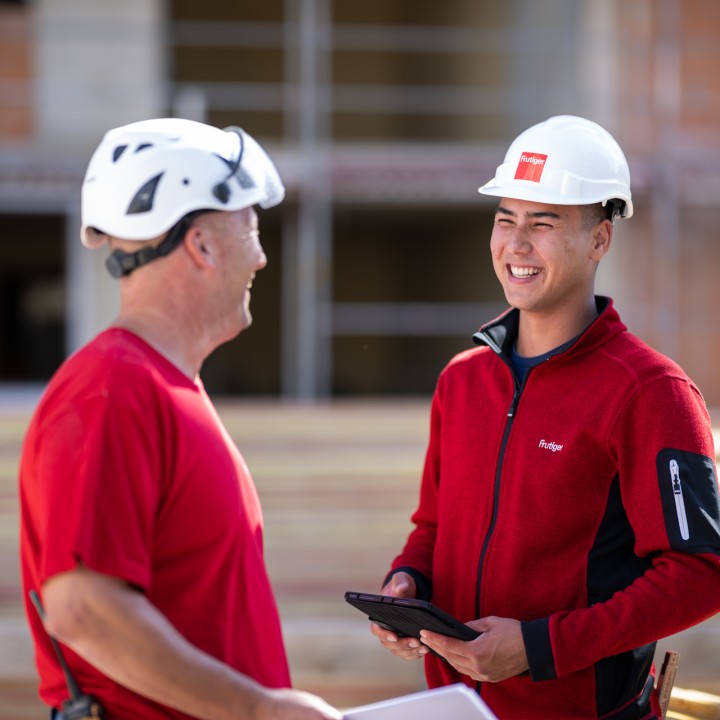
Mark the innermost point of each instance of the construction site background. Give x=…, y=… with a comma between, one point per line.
x=384, y=117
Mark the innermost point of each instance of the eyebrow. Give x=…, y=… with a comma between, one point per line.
x=539, y=214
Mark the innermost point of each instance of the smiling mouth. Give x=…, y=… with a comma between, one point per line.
x=523, y=272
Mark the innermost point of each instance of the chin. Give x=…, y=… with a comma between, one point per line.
x=245, y=322
x=232, y=331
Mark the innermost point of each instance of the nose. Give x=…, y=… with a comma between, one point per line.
x=262, y=260
x=518, y=241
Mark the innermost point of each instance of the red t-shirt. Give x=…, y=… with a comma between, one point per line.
x=127, y=469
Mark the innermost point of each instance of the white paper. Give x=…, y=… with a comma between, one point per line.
x=458, y=702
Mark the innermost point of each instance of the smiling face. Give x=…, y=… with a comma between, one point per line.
x=248, y=258
x=239, y=257
x=545, y=256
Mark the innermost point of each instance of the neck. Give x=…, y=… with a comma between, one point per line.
x=539, y=333
x=161, y=339
x=170, y=329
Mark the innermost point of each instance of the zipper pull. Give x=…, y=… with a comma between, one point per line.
x=679, y=500
x=513, y=404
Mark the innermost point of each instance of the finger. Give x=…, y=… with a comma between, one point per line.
x=462, y=663
x=404, y=643
x=401, y=588
x=383, y=633
x=394, y=642
x=482, y=625
x=457, y=652
x=400, y=585
x=407, y=649
x=441, y=643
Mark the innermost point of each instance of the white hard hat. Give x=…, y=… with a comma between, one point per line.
x=565, y=160
x=144, y=177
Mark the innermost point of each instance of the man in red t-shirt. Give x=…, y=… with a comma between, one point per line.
x=141, y=533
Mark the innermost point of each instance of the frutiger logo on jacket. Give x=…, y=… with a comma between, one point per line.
x=545, y=445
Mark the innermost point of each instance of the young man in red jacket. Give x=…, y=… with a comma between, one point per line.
x=569, y=504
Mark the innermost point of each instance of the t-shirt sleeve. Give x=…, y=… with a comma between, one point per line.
x=99, y=472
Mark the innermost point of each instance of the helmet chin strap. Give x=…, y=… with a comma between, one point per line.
x=120, y=263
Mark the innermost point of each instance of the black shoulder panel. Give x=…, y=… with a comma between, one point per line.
x=691, y=506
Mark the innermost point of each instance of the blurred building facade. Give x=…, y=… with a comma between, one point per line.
x=384, y=117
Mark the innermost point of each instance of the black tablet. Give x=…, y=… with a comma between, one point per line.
x=407, y=616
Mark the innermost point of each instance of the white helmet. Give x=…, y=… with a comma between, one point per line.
x=565, y=160
x=144, y=177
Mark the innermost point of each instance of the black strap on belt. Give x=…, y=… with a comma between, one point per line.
x=79, y=706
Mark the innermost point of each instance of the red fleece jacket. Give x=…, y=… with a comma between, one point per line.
x=584, y=503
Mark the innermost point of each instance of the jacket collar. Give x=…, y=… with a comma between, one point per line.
x=500, y=334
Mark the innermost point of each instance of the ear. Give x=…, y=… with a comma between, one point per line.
x=199, y=246
x=602, y=238
x=93, y=238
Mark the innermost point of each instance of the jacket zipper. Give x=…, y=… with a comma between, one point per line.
x=679, y=501
x=482, y=337
x=517, y=391
x=496, y=501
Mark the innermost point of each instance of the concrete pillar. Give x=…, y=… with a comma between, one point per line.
x=99, y=64
x=93, y=298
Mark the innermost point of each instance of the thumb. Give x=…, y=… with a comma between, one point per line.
x=482, y=625
x=401, y=585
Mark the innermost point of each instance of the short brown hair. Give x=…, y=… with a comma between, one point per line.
x=596, y=213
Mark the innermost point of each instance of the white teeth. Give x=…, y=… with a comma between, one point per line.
x=522, y=272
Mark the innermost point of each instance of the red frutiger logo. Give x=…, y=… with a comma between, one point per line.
x=530, y=166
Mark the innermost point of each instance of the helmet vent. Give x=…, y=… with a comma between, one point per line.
x=143, y=146
x=246, y=182
x=143, y=200
x=118, y=151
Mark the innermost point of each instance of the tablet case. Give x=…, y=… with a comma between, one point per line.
x=408, y=616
